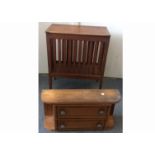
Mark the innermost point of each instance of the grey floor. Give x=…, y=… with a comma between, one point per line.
x=64, y=83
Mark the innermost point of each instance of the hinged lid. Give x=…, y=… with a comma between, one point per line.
x=80, y=96
x=78, y=30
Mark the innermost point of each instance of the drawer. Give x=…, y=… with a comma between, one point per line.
x=79, y=124
x=81, y=111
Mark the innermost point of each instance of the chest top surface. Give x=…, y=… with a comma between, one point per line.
x=80, y=96
x=78, y=30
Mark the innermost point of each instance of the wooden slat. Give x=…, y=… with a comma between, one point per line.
x=50, y=64
x=79, y=69
x=69, y=58
x=84, y=52
x=90, y=52
x=82, y=68
x=90, y=68
x=72, y=49
x=54, y=52
x=64, y=52
x=79, y=55
x=106, y=45
x=101, y=53
x=95, y=52
x=75, y=51
x=98, y=53
x=59, y=50
x=49, y=52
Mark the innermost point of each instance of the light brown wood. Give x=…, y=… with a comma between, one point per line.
x=79, y=109
x=110, y=122
x=49, y=120
x=80, y=96
x=78, y=30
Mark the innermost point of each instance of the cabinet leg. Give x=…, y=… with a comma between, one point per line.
x=50, y=82
x=112, y=109
x=100, y=85
x=109, y=122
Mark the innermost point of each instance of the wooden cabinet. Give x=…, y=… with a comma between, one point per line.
x=79, y=109
x=77, y=51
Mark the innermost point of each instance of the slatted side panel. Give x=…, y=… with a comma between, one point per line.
x=77, y=56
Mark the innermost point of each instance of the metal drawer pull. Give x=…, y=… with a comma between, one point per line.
x=62, y=126
x=62, y=112
x=99, y=125
x=101, y=112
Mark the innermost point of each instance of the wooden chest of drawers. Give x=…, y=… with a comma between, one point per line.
x=79, y=109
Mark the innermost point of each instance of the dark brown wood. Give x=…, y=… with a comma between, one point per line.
x=69, y=58
x=80, y=124
x=85, y=52
x=95, y=52
x=100, y=84
x=74, y=75
x=64, y=52
x=79, y=56
x=49, y=81
x=75, y=51
x=50, y=65
x=54, y=52
x=81, y=51
x=101, y=53
x=79, y=109
x=72, y=111
x=59, y=49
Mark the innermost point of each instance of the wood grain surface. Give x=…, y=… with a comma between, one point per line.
x=80, y=96
x=78, y=30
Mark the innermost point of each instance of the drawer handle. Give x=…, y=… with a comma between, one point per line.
x=62, y=126
x=101, y=112
x=62, y=113
x=99, y=125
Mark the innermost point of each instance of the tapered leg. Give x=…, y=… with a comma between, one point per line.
x=50, y=82
x=109, y=122
x=112, y=109
x=100, y=85
x=49, y=122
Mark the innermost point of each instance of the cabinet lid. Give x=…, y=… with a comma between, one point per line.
x=78, y=30
x=80, y=96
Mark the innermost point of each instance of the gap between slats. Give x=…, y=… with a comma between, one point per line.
x=68, y=52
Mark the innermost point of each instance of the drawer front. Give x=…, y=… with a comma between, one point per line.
x=81, y=112
x=79, y=124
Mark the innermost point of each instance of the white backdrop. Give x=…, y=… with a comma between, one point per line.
x=19, y=77
x=114, y=57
